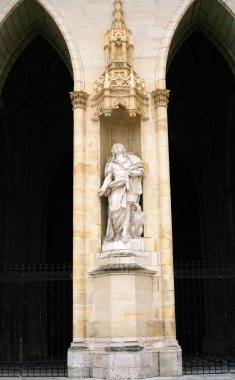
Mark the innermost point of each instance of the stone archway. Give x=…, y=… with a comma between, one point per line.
x=201, y=80
x=36, y=125
x=213, y=18
x=21, y=21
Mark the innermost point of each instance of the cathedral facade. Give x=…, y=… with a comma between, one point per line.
x=117, y=162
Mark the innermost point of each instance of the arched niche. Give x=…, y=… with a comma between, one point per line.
x=118, y=128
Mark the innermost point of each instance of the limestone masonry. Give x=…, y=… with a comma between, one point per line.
x=117, y=53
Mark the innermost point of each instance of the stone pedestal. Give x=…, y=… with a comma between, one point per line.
x=124, y=325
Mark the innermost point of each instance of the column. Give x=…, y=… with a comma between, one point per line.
x=76, y=356
x=170, y=356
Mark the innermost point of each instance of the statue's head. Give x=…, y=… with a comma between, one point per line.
x=118, y=148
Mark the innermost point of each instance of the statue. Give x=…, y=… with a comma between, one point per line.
x=123, y=187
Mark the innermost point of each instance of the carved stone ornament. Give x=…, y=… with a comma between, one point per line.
x=78, y=99
x=119, y=86
x=161, y=97
x=121, y=267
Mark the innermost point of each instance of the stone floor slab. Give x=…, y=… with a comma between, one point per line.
x=229, y=376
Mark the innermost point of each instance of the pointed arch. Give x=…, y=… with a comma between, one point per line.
x=22, y=20
x=214, y=18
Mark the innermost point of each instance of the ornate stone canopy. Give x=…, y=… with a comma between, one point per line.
x=119, y=86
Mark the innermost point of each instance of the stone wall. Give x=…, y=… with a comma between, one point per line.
x=124, y=321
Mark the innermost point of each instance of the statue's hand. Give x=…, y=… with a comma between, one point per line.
x=100, y=192
x=135, y=173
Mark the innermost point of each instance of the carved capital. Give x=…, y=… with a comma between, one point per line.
x=161, y=97
x=78, y=99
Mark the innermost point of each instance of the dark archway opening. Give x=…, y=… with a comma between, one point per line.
x=36, y=217
x=201, y=123
x=59, y=208
x=185, y=209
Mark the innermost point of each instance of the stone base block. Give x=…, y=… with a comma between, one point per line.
x=123, y=364
x=78, y=362
x=136, y=244
x=170, y=361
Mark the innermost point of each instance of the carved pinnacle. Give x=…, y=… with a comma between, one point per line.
x=118, y=21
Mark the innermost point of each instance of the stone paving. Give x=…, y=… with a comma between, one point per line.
x=229, y=376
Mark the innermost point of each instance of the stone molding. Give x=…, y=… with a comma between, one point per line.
x=119, y=86
x=161, y=97
x=78, y=99
x=124, y=268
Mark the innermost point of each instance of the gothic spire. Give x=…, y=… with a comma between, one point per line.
x=119, y=86
x=118, y=21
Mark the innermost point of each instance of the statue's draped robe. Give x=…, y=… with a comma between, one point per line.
x=122, y=190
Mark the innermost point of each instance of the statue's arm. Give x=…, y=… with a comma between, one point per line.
x=137, y=169
x=136, y=173
x=104, y=187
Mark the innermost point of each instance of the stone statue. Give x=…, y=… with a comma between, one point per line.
x=122, y=185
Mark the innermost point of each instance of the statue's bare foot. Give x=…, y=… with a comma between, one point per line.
x=125, y=238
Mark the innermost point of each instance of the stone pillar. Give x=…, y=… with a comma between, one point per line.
x=170, y=356
x=77, y=357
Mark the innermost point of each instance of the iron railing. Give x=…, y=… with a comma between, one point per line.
x=205, y=315
x=35, y=319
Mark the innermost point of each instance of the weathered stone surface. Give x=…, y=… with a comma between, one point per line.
x=115, y=307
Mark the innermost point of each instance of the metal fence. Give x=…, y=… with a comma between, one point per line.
x=35, y=319
x=205, y=315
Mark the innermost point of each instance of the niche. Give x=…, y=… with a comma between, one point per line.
x=119, y=128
